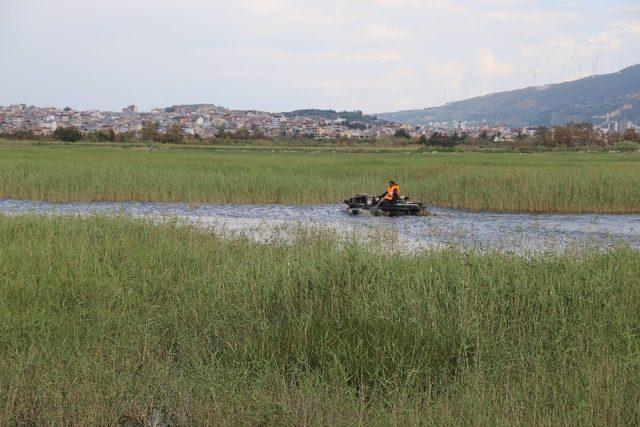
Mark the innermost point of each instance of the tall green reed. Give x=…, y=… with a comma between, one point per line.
x=548, y=182
x=107, y=319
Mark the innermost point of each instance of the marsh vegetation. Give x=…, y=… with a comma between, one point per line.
x=109, y=319
x=543, y=183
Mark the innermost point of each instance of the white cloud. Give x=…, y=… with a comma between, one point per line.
x=282, y=54
x=376, y=55
x=627, y=8
x=264, y=7
x=604, y=40
x=383, y=33
x=531, y=17
x=449, y=72
x=488, y=65
x=403, y=103
x=446, y=69
x=630, y=27
x=450, y=6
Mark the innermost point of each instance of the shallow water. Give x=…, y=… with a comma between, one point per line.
x=484, y=231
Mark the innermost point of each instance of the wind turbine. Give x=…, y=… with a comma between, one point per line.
x=594, y=65
x=480, y=82
x=444, y=92
x=580, y=69
x=466, y=88
x=535, y=71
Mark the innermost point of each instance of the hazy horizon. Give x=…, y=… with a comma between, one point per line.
x=280, y=55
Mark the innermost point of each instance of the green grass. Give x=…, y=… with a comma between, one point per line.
x=546, y=182
x=105, y=320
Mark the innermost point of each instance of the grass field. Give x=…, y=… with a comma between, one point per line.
x=547, y=182
x=106, y=320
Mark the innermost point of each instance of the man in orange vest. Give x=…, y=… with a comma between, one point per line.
x=390, y=197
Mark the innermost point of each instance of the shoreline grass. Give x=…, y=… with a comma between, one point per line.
x=106, y=320
x=536, y=183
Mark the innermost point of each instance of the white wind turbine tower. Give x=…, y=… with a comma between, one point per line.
x=444, y=93
x=580, y=69
x=535, y=70
x=481, y=81
x=594, y=65
x=466, y=88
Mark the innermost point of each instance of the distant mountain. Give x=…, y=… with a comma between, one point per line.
x=585, y=100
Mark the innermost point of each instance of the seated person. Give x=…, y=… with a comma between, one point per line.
x=391, y=196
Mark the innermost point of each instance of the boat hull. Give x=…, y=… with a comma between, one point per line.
x=364, y=204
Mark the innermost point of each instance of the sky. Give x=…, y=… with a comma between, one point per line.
x=279, y=55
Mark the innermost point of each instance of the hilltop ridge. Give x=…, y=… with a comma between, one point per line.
x=591, y=99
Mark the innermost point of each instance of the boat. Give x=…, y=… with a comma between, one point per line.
x=368, y=204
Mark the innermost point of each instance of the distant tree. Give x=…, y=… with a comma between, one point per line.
x=484, y=135
x=125, y=136
x=631, y=135
x=402, y=133
x=562, y=135
x=627, y=146
x=111, y=135
x=584, y=134
x=457, y=138
x=20, y=134
x=99, y=136
x=576, y=135
x=356, y=125
x=423, y=140
x=242, y=133
x=67, y=134
x=544, y=137
x=438, y=139
x=149, y=131
x=173, y=135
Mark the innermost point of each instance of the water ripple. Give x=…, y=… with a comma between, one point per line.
x=503, y=231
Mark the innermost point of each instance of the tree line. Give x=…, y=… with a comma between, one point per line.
x=569, y=136
x=572, y=136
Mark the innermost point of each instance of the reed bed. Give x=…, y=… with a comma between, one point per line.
x=541, y=183
x=112, y=320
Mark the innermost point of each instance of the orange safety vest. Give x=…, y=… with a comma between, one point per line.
x=390, y=190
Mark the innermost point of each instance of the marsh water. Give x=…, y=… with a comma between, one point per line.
x=448, y=227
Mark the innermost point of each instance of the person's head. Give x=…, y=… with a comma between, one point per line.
x=392, y=182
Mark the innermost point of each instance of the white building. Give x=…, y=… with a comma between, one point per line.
x=504, y=138
x=619, y=126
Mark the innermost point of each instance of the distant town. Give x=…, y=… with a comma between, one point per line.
x=200, y=120
x=208, y=121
